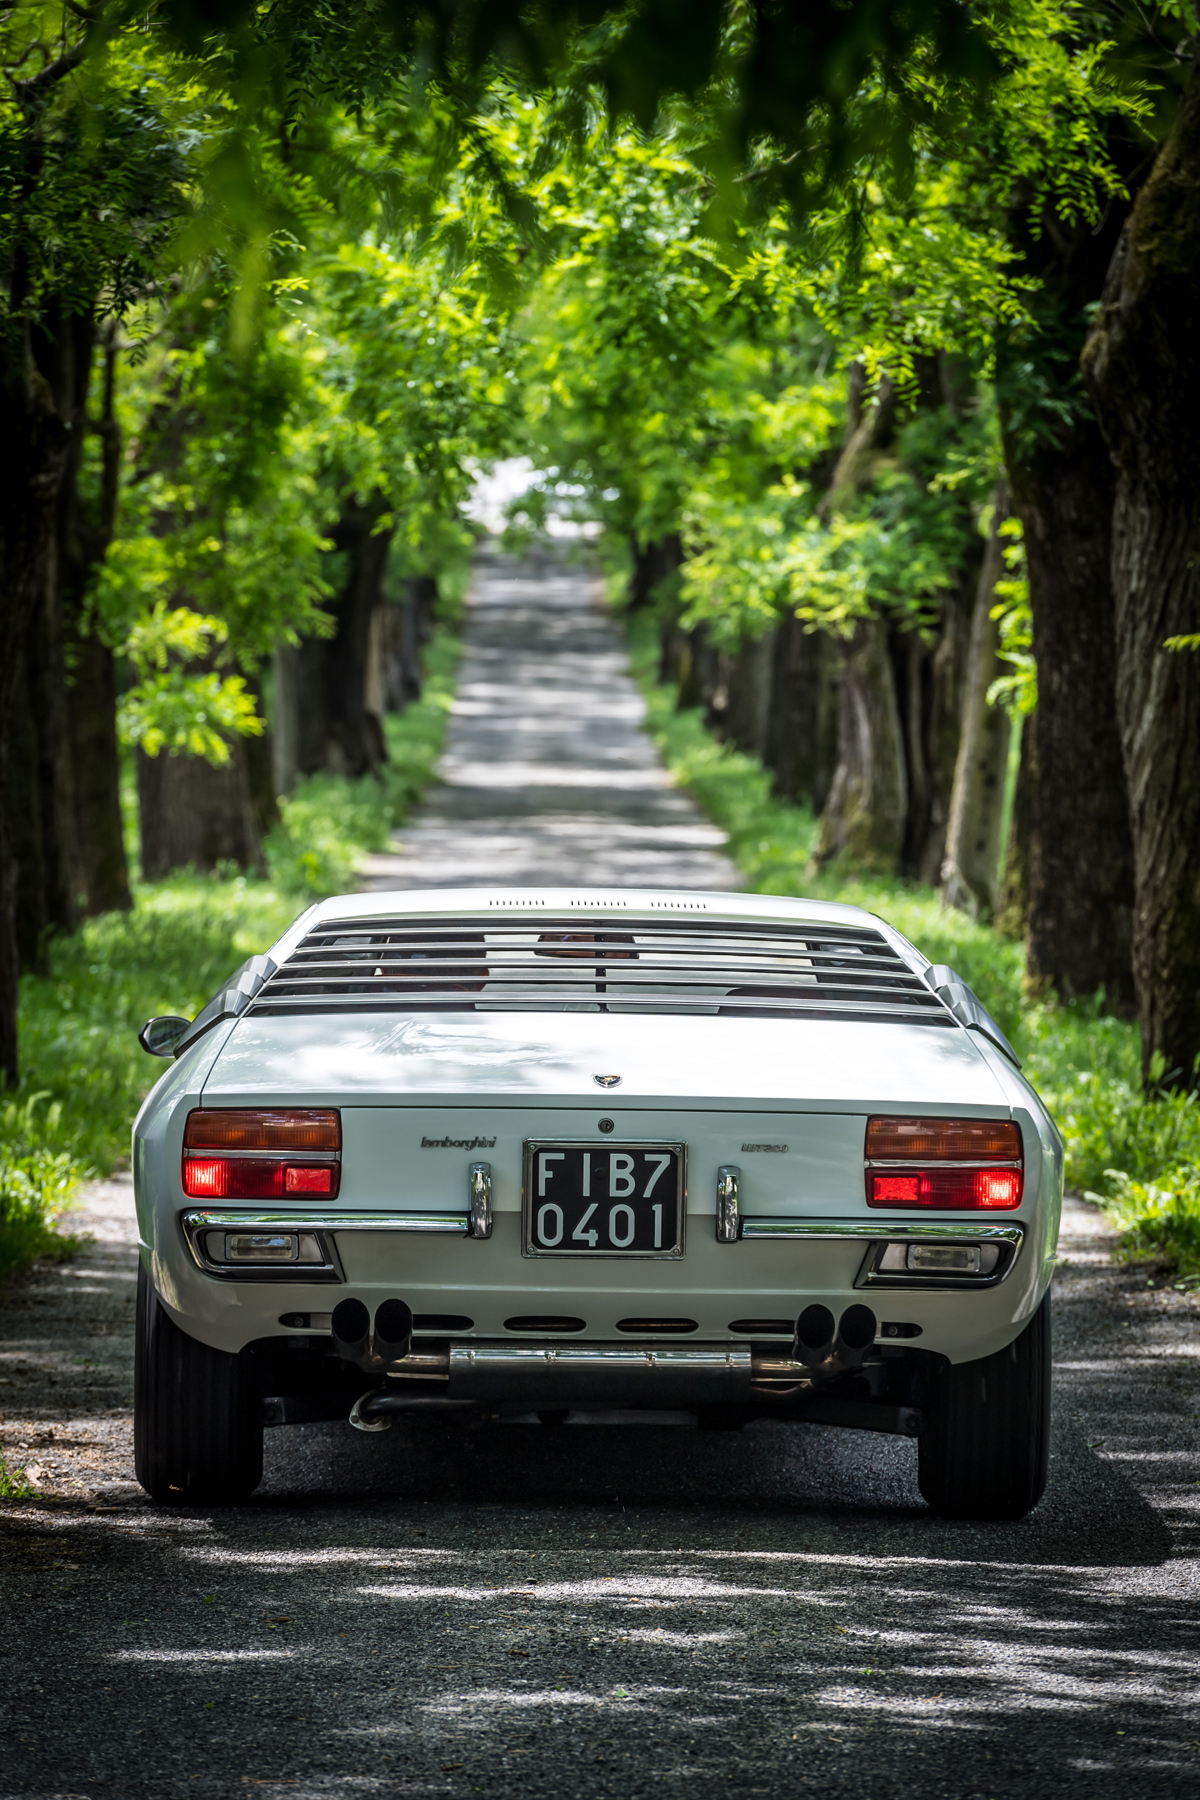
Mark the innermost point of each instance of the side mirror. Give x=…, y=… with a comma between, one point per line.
x=162, y=1036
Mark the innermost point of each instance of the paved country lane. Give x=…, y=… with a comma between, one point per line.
x=599, y=1611
x=547, y=775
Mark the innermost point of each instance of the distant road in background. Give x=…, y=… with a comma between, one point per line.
x=547, y=776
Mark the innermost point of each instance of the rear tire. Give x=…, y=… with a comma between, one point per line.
x=197, y=1433
x=985, y=1449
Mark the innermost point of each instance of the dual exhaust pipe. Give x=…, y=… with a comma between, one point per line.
x=356, y=1342
x=825, y=1347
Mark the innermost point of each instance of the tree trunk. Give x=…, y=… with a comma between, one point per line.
x=794, y=750
x=653, y=564
x=865, y=813
x=32, y=918
x=1142, y=362
x=866, y=807
x=53, y=793
x=971, y=869
x=1013, y=904
x=285, y=718
x=747, y=712
x=1080, y=873
x=95, y=760
x=259, y=754
x=868, y=432
x=1080, y=866
x=356, y=742
x=336, y=729
x=195, y=816
x=85, y=531
x=402, y=638
x=33, y=449
x=932, y=686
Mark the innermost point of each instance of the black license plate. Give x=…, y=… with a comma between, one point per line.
x=604, y=1200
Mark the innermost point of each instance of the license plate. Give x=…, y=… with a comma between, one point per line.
x=604, y=1199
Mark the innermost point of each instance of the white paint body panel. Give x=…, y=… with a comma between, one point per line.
x=716, y=1084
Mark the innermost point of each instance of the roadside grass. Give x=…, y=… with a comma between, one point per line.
x=84, y=1074
x=37, y=1182
x=1136, y=1153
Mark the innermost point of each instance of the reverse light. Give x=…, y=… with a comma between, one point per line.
x=944, y=1165
x=243, y=1154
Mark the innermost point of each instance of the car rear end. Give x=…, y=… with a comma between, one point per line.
x=535, y=1154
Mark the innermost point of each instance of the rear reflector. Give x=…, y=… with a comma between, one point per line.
x=947, y=1190
x=943, y=1140
x=246, y=1128
x=257, y=1178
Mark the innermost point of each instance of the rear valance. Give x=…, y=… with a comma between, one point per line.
x=581, y=963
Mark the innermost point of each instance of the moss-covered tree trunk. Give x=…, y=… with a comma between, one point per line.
x=1142, y=362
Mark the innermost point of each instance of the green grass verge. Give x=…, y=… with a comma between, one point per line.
x=83, y=1073
x=1137, y=1154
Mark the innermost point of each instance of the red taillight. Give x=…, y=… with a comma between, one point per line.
x=223, y=1153
x=948, y=1190
x=948, y=1165
x=256, y=1178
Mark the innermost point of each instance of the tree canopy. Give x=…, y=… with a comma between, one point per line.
x=790, y=300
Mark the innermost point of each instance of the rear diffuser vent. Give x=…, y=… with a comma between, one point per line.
x=658, y=1327
x=577, y=963
x=544, y=1322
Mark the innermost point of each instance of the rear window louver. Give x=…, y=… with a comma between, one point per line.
x=600, y=964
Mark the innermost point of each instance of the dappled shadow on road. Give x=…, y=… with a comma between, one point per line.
x=866, y=1483
x=613, y=1612
x=601, y=1611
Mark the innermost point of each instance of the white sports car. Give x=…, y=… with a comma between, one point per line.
x=540, y=1152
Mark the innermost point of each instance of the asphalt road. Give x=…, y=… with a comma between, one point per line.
x=600, y=1610
x=547, y=778
x=596, y=1610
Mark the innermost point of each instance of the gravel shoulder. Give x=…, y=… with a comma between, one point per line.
x=601, y=1610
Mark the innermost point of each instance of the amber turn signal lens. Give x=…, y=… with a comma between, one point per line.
x=245, y=1128
x=943, y=1140
x=948, y=1190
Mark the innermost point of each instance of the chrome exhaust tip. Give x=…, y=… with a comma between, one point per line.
x=350, y=1325
x=815, y=1333
x=855, y=1336
x=826, y=1350
x=393, y=1331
